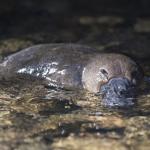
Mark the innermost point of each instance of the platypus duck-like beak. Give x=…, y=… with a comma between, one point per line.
x=119, y=92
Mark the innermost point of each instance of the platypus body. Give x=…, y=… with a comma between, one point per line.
x=77, y=66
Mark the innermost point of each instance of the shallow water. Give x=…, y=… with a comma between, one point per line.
x=33, y=117
x=38, y=117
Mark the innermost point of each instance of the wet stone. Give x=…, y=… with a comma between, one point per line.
x=87, y=143
x=142, y=25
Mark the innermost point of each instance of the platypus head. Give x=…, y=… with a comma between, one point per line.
x=115, y=76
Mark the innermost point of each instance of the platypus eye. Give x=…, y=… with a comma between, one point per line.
x=104, y=72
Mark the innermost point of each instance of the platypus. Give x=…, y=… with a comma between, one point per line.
x=114, y=76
